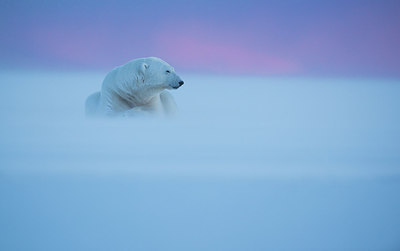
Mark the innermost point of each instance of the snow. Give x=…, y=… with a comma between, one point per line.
x=250, y=163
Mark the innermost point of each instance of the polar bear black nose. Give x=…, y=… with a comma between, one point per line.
x=181, y=83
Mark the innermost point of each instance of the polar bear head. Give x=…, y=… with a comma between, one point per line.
x=157, y=73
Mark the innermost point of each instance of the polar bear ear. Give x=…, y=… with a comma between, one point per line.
x=145, y=66
x=142, y=71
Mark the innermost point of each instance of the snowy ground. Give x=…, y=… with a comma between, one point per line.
x=250, y=164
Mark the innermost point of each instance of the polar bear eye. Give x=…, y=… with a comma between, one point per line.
x=167, y=71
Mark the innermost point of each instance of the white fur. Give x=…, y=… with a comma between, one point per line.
x=137, y=87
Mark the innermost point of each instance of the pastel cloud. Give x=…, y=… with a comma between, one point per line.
x=196, y=48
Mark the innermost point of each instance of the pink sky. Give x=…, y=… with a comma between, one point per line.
x=344, y=38
x=195, y=47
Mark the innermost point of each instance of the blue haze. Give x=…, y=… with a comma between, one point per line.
x=249, y=164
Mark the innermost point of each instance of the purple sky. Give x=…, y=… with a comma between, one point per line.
x=323, y=38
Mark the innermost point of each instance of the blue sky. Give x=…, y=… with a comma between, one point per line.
x=333, y=38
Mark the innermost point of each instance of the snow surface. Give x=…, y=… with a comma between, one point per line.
x=251, y=163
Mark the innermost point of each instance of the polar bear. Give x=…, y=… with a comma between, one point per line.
x=135, y=88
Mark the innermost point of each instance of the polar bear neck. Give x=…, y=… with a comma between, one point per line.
x=141, y=95
x=123, y=88
x=133, y=91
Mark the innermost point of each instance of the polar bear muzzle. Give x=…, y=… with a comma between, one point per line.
x=180, y=84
